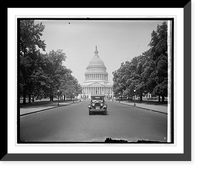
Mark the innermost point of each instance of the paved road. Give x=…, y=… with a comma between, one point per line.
x=73, y=124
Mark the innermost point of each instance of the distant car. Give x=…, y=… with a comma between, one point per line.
x=97, y=104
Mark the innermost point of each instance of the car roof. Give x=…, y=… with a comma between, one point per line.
x=97, y=95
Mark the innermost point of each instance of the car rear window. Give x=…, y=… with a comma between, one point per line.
x=97, y=98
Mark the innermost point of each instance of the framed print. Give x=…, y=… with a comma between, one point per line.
x=103, y=85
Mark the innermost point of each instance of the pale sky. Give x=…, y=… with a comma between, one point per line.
x=117, y=41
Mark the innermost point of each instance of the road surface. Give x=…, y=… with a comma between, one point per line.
x=72, y=123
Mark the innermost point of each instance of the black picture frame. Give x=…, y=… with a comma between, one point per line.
x=186, y=156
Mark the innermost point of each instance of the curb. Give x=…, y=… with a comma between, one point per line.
x=144, y=108
x=53, y=107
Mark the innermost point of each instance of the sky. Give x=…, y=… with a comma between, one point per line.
x=117, y=41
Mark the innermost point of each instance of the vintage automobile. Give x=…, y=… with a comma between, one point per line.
x=97, y=104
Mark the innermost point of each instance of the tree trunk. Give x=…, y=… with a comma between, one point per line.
x=163, y=98
x=24, y=96
x=51, y=98
x=29, y=98
x=159, y=98
x=141, y=96
x=64, y=97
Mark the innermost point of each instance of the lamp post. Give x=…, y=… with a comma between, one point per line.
x=134, y=97
x=58, y=96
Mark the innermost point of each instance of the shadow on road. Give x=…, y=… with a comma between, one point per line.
x=109, y=140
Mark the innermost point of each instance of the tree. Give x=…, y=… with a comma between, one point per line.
x=147, y=72
x=54, y=72
x=159, y=61
x=69, y=86
x=120, y=77
x=29, y=44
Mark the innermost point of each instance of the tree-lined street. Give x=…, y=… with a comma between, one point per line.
x=72, y=123
x=46, y=76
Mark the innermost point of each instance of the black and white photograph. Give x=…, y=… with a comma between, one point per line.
x=98, y=84
x=95, y=80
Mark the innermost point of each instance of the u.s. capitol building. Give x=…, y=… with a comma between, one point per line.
x=96, y=78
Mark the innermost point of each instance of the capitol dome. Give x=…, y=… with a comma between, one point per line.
x=96, y=69
x=96, y=61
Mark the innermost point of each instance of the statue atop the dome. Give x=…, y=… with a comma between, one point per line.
x=96, y=51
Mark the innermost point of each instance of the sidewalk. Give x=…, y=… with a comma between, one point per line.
x=38, y=108
x=151, y=107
